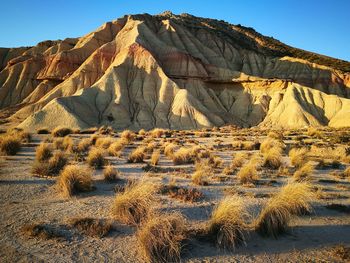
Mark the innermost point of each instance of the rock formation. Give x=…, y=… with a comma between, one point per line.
x=172, y=71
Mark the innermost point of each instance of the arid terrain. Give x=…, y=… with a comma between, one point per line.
x=39, y=217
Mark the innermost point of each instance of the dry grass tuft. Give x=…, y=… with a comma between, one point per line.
x=227, y=225
x=157, y=132
x=248, y=174
x=293, y=199
x=104, y=142
x=272, y=158
x=96, y=158
x=269, y=143
x=135, y=203
x=202, y=174
x=298, y=156
x=10, y=145
x=110, y=174
x=43, y=152
x=161, y=237
x=92, y=226
x=83, y=146
x=61, y=131
x=74, y=179
x=303, y=172
x=182, y=193
x=138, y=155
x=117, y=147
x=155, y=158
x=128, y=135
x=183, y=156
x=169, y=149
x=52, y=167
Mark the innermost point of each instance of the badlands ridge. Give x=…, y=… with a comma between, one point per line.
x=172, y=71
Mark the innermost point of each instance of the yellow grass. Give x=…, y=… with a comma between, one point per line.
x=169, y=149
x=248, y=174
x=298, y=156
x=96, y=158
x=228, y=223
x=128, y=135
x=104, y=142
x=155, y=157
x=52, y=167
x=138, y=155
x=293, y=199
x=135, y=203
x=43, y=152
x=110, y=173
x=61, y=131
x=10, y=145
x=160, y=237
x=117, y=147
x=272, y=158
x=269, y=143
x=303, y=172
x=74, y=179
x=183, y=156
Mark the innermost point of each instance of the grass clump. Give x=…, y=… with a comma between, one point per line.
x=61, y=131
x=269, y=143
x=248, y=174
x=138, y=155
x=155, y=158
x=227, y=226
x=74, y=179
x=161, y=237
x=110, y=174
x=298, y=156
x=293, y=199
x=116, y=147
x=303, y=172
x=135, y=204
x=272, y=158
x=96, y=158
x=10, y=145
x=52, y=167
x=92, y=226
x=128, y=135
x=43, y=152
x=201, y=175
x=104, y=142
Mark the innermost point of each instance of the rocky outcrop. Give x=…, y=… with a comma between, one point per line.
x=178, y=72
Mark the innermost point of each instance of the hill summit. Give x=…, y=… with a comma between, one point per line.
x=172, y=71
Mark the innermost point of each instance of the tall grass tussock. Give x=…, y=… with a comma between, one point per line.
x=74, y=179
x=96, y=158
x=43, y=152
x=10, y=145
x=160, y=238
x=293, y=199
x=136, y=202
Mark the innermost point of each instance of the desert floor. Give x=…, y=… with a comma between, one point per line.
x=27, y=199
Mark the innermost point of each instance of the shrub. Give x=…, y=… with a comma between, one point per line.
x=43, y=152
x=169, y=149
x=74, y=179
x=157, y=132
x=10, y=145
x=61, y=131
x=52, y=167
x=110, y=174
x=227, y=225
x=42, y=131
x=298, y=156
x=92, y=226
x=273, y=158
x=135, y=203
x=202, y=173
x=161, y=237
x=83, y=146
x=138, y=155
x=155, y=158
x=238, y=160
x=293, y=199
x=96, y=158
x=269, y=143
x=303, y=172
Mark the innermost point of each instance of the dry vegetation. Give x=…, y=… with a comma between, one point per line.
x=96, y=158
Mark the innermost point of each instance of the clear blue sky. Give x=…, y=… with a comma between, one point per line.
x=321, y=26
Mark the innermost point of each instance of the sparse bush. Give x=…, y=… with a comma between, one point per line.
x=227, y=225
x=92, y=226
x=181, y=193
x=52, y=167
x=104, y=142
x=43, y=152
x=269, y=143
x=135, y=203
x=183, y=156
x=74, y=179
x=169, y=149
x=138, y=155
x=157, y=132
x=293, y=199
x=155, y=158
x=10, y=145
x=83, y=146
x=238, y=160
x=96, y=158
x=116, y=147
x=61, y=132
x=110, y=174
x=161, y=237
x=202, y=174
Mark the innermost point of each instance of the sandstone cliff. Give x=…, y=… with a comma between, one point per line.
x=177, y=72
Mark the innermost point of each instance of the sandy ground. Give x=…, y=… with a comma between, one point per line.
x=27, y=199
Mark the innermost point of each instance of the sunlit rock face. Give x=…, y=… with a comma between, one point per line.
x=177, y=72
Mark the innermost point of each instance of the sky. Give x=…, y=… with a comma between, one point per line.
x=321, y=26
